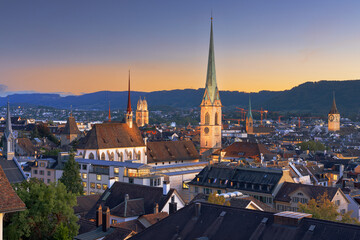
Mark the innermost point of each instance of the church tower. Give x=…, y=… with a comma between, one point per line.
x=249, y=120
x=9, y=144
x=210, y=117
x=129, y=113
x=334, y=118
x=142, y=113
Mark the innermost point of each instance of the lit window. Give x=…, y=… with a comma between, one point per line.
x=98, y=186
x=104, y=186
x=185, y=185
x=116, y=179
x=84, y=184
x=92, y=185
x=116, y=170
x=84, y=176
x=98, y=177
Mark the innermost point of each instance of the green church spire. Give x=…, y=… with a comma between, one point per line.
x=211, y=90
x=249, y=114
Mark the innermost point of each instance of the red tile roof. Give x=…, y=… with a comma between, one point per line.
x=9, y=200
x=245, y=149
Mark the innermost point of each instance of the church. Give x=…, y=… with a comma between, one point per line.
x=333, y=118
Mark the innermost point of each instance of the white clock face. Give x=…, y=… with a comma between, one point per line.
x=331, y=118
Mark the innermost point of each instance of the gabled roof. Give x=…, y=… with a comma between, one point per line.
x=312, y=191
x=245, y=150
x=9, y=200
x=115, y=195
x=85, y=203
x=171, y=151
x=222, y=222
x=26, y=145
x=12, y=170
x=71, y=127
x=112, y=135
x=130, y=208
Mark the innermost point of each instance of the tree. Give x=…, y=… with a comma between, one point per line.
x=71, y=176
x=220, y=200
x=312, y=146
x=323, y=208
x=49, y=212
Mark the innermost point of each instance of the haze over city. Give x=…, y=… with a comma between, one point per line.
x=87, y=46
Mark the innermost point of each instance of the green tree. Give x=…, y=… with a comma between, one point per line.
x=71, y=176
x=323, y=208
x=49, y=212
x=312, y=146
x=220, y=200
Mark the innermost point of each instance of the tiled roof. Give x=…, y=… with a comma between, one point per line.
x=171, y=151
x=133, y=207
x=12, y=171
x=245, y=150
x=155, y=217
x=26, y=145
x=311, y=191
x=112, y=135
x=115, y=195
x=71, y=127
x=9, y=200
x=222, y=222
x=85, y=203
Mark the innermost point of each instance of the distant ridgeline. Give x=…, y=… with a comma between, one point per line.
x=309, y=97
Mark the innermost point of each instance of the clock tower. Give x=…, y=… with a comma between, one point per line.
x=334, y=118
x=210, y=116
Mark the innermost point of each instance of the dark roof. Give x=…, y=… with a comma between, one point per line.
x=311, y=191
x=86, y=225
x=12, y=170
x=220, y=176
x=26, y=145
x=238, y=202
x=112, y=135
x=171, y=151
x=130, y=208
x=71, y=127
x=133, y=225
x=222, y=222
x=154, y=217
x=119, y=234
x=333, y=109
x=115, y=195
x=9, y=200
x=85, y=203
x=245, y=150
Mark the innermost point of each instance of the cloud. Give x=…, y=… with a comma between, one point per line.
x=3, y=88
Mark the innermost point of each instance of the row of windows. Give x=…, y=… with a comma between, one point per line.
x=237, y=184
x=41, y=172
x=207, y=119
x=120, y=156
x=287, y=208
x=155, y=182
x=298, y=199
x=84, y=176
x=48, y=180
x=97, y=185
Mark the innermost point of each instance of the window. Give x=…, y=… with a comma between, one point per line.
x=42, y=164
x=185, y=185
x=113, y=221
x=116, y=179
x=92, y=185
x=84, y=176
x=121, y=156
x=84, y=184
x=207, y=118
x=48, y=181
x=196, y=189
x=337, y=202
x=129, y=155
x=116, y=170
x=131, y=180
x=103, y=156
x=98, y=177
x=139, y=155
x=92, y=193
x=84, y=166
x=216, y=119
x=41, y=172
x=35, y=171
x=91, y=156
x=151, y=182
x=98, y=186
x=104, y=186
x=112, y=156
x=218, y=191
x=342, y=211
x=295, y=199
x=48, y=173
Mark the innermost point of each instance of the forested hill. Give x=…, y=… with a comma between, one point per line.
x=312, y=97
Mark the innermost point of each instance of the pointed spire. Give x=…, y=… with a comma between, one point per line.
x=109, y=118
x=333, y=107
x=249, y=114
x=211, y=89
x=70, y=110
x=8, y=121
x=128, y=109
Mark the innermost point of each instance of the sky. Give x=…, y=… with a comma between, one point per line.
x=74, y=47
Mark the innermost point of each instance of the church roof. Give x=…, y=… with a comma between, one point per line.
x=112, y=135
x=211, y=89
x=333, y=109
x=71, y=126
x=249, y=113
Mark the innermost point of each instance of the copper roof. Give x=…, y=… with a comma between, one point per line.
x=9, y=200
x=112, y=135
x=171, y=151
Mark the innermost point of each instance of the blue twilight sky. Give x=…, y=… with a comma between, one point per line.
x=76, y=46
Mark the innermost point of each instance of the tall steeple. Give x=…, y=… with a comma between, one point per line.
x=249, y=114
x=249, y=124
x=211, y=89
x=129, y=114
x=210, y=116
x=334, y=117
x=9, y=146
x=333, y=109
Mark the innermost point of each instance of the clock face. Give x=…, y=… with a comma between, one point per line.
x=331, y=118
x=206, y=130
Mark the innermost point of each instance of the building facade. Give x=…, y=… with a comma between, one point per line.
x=142, y=113
x=211, y=114
x=334, y=118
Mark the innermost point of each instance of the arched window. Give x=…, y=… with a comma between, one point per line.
x=216, y=119
x=121, y=157
x=207, y=118
x=111, y=156
x=102, y=156
x=129, y=156
x=91, y=156
x=139, y=155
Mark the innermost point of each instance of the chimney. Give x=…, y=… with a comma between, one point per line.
x=99, y=216
x=197, y=209
x=341, y=170
x=172, y=205
x=166, y=187
x=156, y=208
x=106, y=220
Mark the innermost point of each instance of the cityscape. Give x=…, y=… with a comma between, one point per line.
x=128, y=120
